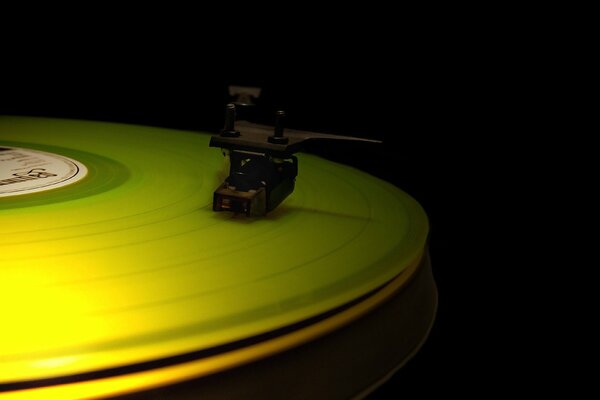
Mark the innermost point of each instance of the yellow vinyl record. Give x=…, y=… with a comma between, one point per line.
x=117, y=275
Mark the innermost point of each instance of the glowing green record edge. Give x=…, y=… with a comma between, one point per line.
x=130, y=264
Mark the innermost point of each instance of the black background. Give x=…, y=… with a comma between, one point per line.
x=418, y=106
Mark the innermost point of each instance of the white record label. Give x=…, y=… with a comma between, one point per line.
x=24, y=171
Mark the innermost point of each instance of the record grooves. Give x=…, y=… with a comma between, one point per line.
x=182, y=358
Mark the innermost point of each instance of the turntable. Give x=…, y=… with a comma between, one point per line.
x=120, y=281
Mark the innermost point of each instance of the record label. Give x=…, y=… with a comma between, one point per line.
x=24, y=171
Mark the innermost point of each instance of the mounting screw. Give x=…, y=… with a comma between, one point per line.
x=229, y=130
x=278, y=137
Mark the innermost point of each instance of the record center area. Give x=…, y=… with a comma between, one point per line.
x=131, y=264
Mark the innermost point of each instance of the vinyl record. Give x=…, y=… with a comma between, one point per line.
x=117, y=276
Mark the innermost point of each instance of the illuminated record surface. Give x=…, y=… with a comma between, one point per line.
x=126, y=263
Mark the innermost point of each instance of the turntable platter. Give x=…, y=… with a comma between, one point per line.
x=125, y=278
